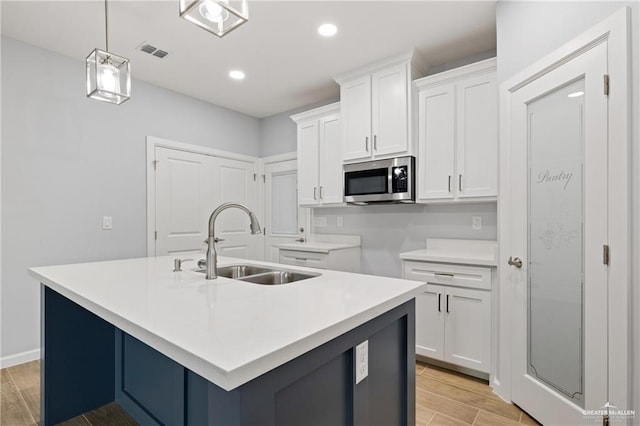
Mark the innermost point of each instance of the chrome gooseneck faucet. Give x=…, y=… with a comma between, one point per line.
x=212, y=255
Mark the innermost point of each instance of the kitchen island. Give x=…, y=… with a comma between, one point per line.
x=174, y=348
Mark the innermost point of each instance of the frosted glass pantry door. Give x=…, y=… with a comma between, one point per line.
x=555, y=243
x=558, y=226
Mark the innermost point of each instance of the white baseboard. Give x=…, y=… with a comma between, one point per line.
x=21, y=358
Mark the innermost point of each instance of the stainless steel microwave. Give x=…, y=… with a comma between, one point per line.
x=381, y=181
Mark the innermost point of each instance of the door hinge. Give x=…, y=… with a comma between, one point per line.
x=155, y=164
x=606, y=84
x=155, y=235
x=605, y=254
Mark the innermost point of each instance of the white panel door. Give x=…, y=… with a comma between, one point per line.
x=284, y=221
x=558, y=226
x=389, y=111
x=477, y=137
x=430, y=322
x=308, y=140
x=436, y=145
x=331, y=189
x=233, y=181
x=355, y=109
x=467, y=328
x=183, y=201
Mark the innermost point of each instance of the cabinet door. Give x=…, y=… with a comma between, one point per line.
x=330, y=189
x=389, y=111
x=436, y=143
x=467, y=328
x=430, y=322
x=477, y=137
x=308, y=163
x=355, y=107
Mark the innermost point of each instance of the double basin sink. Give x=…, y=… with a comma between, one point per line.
x=261, y=275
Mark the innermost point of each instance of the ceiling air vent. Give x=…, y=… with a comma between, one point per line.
x=152, y=50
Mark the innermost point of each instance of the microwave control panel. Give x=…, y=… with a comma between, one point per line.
x=399, y=178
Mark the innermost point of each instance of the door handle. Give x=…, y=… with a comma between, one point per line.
x=460, y=183
x=449, y=183
x=321, y=192
x=366, y=143
x=516, y=261
x=447, y=303
x=439, y=310
x=375, y=142
x=315, y=190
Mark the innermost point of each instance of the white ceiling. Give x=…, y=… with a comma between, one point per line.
x=287, y=63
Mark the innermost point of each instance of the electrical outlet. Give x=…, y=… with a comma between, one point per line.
x=340, y=222
x=107, y=223
x=362, y=361
x=476, y=223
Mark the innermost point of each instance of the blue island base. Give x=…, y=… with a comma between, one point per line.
x=87, y=362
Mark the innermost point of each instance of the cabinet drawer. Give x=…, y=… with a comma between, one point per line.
x=453, y=275
x=304, y=258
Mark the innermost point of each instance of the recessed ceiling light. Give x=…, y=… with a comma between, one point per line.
x=575, y=94
x=236, y=75
x=327, y=30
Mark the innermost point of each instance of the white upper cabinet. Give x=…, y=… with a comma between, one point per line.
x=375, y=110
x=458, y=134
x=319, y=156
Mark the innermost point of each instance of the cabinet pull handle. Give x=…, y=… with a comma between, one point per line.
x=447, y=303
x=375, y=142
x=321, y=192
x=302, y=258
x=460, y=183
x=449, y=183
x=315, y=197
x=366, y=143
x=439, y=310
x=442, y=274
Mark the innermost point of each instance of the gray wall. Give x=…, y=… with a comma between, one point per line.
x=68, y=160
x=390, y=229
x=527, y=31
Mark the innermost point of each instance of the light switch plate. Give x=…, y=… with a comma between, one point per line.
x=362, y=361
x=476, y=223
x=107, y=223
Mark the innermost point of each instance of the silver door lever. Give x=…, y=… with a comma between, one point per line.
x=516, y=261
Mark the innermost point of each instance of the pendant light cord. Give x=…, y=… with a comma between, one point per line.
x=106, y=26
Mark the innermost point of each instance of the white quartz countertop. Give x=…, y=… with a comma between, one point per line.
x=317, y=246
x=225, y=330
x=468, y=252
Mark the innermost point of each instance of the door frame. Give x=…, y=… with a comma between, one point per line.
x=154, y=142
x=614, y=30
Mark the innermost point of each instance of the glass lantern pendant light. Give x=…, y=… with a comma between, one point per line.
x=108, y=75
x=216, y=16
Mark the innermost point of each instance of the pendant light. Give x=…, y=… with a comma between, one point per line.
x=108, y=75
x=216, y=16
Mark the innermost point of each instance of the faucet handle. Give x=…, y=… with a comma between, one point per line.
x=301, y=240
x=177, y=264
x=202, y=263
x=217, y=240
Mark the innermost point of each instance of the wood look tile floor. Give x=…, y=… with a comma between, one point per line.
x=442, y=398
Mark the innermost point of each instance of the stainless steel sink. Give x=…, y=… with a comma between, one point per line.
x=239, y=271
x=277, y=277
x=260, y=274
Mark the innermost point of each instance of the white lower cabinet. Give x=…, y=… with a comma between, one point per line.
x=453, y=316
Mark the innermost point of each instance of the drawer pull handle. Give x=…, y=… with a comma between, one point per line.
x=302, y=258
x=442, y=274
